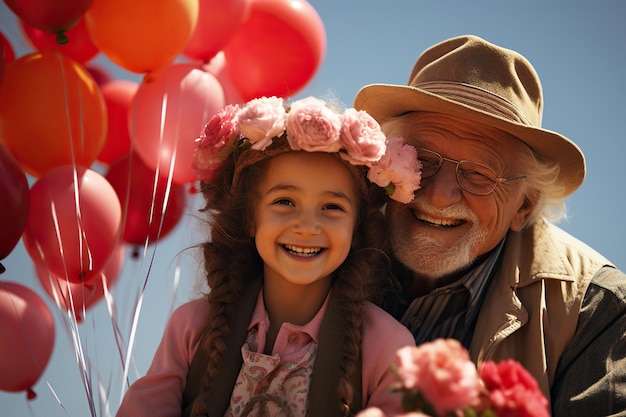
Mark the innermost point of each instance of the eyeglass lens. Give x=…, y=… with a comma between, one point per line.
x=471, y=176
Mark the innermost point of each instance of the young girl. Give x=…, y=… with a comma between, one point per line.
x=296, y=231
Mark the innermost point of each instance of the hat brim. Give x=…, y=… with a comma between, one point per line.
x=383, y=101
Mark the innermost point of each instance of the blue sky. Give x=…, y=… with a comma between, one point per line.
x=576, y=47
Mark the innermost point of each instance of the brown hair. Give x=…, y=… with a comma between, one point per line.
x=231, y=261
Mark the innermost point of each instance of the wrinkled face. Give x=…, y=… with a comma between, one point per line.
x=305, y=217
x=445, y=228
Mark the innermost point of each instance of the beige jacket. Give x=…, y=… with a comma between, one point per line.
x=542, y=266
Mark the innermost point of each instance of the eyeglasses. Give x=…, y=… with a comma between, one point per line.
x=473, y=177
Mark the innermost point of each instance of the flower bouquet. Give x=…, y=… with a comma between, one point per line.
x=439, y=379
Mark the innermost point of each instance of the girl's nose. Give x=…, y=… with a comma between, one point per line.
x=307, y=224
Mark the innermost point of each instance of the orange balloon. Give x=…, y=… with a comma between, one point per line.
x=52, y=113
x=142, y=35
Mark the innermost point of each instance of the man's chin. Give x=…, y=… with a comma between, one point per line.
x=432, y=261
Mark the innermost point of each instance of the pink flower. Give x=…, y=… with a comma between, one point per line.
x=399, y=169
x=443, y=372
x=312, y=126
x=262, y=119
x=512, y=390
x=377, y=412
x=361, y=137
x=216, y=142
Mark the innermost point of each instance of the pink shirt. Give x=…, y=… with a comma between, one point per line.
x=159, y=392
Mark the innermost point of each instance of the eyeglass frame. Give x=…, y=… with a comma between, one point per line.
x=458, y=172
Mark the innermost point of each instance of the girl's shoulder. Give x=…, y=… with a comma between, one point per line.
x=191, y=315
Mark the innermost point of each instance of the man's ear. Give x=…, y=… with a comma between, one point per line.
x=522, y=215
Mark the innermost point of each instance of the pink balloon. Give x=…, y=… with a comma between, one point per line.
x=218, y=22
x=277, y=50
x=27, y=329
x=15, y=202
x=149, y=215
x=81, y=297
x=79, y=47
x=73, y=227
x=118, y=96
x=169, y=110
x=218, y=67
x=50, y=16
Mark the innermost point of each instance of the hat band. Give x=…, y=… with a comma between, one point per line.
x=477, y=98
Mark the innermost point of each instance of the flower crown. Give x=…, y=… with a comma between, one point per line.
x=313, y=127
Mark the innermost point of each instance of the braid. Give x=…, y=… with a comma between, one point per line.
x=230, y=261
x=354, y=282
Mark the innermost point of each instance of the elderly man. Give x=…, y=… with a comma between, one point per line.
x=478, y=259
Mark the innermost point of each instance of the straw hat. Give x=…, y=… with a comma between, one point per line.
x=473, y=79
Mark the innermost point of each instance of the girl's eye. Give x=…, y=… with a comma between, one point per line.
x=333, y=207
x=284, y=202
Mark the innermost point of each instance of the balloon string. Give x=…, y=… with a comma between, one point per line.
x=81, y=233
x=117, y=333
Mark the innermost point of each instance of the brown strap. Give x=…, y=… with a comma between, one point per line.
x=218, y=398
x=323, y=396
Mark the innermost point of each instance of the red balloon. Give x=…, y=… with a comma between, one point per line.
x=218, y=22
x=277, y=50
x=8, y=54
x=15, y=202
x=100, y=75
x=146, y=220
x=50, y=16
x=169, y=110
x=73, y=227
x=118, y=96
x=218, y=67
x=80, y=297
x=79, y=47
x=52, y=113
x=27, y=329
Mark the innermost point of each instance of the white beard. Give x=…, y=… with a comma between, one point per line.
x=425, y=255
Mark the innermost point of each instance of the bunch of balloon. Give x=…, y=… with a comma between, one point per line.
x=77, y=298
x=28, y=331
x=156, y=206
x=73, y=224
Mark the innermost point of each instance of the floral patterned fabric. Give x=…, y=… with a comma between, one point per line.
x=276, y=385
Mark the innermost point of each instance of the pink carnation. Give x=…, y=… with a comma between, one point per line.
x=443, y=372
x=377, y=412
x=361, y=137
x=262, y=119
x=399, y=169
x=312, y=126
x=512, y=390
x=215, y=142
